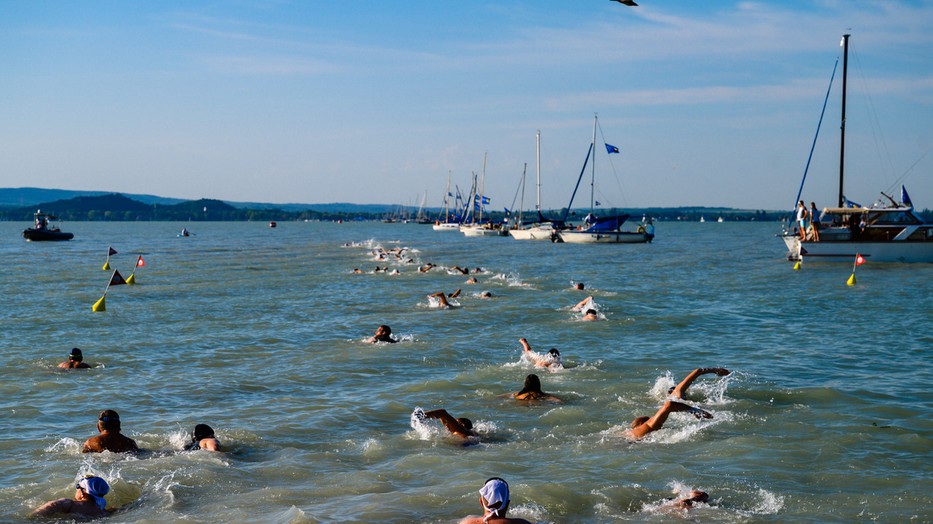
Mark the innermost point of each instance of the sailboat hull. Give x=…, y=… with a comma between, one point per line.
x=845, y=251
x=612, y=237
x=446, y=226
x=533, y=233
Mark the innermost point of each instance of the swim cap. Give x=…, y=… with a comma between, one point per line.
x=495, y=491
x=96, y=487
x=76, y=354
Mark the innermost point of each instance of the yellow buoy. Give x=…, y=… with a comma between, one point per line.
x=106, y=266
x=131, y=279
x=100, y=305
x=797, y=266
x=851, y=280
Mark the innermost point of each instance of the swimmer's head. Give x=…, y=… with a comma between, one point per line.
x=532, y=384
x=108, y=420
x=485, y=294
x=202, y=431
x=671, y=389
x=579, y=285
x=554, y=353
x=76, y=355
x=465, y=422
x=383, y=330
x=639, y=421
x=590, y=312
x=494, y=496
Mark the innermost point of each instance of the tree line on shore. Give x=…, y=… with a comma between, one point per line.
x=119, y=208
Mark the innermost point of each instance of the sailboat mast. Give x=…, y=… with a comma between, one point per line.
x=447, y=199
x=842, y=126
x=593, y=176
x=537, y=169
x=482, y=189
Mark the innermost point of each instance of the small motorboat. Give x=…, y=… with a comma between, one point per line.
x=273, y=224
x=44, y=230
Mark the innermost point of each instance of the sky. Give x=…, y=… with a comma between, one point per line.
x=712, y=103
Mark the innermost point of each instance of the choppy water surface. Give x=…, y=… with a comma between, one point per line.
x=261, y=333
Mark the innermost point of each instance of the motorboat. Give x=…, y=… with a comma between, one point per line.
x=45, y=230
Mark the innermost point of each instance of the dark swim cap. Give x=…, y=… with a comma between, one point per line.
x=76, y=355
x=202, y=431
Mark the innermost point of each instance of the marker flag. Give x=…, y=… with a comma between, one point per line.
x=116, y=279
x=111, y=251
x=859, y=260
x=140, y=262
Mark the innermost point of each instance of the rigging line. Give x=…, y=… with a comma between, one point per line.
x=884, y=153
x=612, y=166
x=813, y=145
x=903, y=175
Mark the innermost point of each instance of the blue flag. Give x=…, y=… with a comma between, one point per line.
x=597, y=203
x=611, y=149
x=485, y=201
x=507, y=212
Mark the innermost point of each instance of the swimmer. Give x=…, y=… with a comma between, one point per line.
x=531, y=390
x=357, y=271
x=579, y=285
x=486, y=294
x=461, y=427
x=110, y=438
x=550, y=360
x=203, y=438
x=641, y=426
x=88, y=502
x=695, y=496
x=680, y=390
x=383, y=334
x=590, y=315
x=494, y=498
x=426, y=268
x=75, y=360
x=471, y=280
x=586, y=303
x=442, y=301
x=458, y=269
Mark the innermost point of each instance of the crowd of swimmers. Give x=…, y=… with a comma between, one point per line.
x=494, y=494
x=90, y=490
x=89, y=502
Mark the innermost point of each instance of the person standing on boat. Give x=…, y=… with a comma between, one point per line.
x=75, y=360
x=110, y=438
x=802, y=220
x=814, y=223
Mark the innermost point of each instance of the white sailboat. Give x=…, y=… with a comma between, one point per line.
x=888, y=231
x=478, y=228
x=446, y=222
x=536, y=230
x=602, y=230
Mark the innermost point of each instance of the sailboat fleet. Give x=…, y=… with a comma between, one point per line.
x=469, y=215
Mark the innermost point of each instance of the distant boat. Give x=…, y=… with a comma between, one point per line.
x=446, y=222
x=888, y=231
x=273, y=224
x=536, y=230
x=601, y=230
x=720, y=220
x=45, y=230
x=478, y=228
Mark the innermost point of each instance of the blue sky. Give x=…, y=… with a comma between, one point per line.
x=711, y=103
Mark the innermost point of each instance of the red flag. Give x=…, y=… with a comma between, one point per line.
x=116, y=279
x=859, y=260
x=140, y=262
x=112, y=251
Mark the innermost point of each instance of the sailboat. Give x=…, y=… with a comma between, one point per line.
x=536, y=230
x=601, y=230
x=476, y=227
x=888, y=231
x=446, y=222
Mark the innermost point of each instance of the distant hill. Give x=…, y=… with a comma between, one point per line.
x=30, y=196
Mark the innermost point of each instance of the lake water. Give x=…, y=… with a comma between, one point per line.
x=261, y=332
